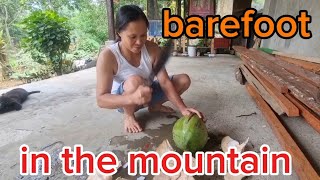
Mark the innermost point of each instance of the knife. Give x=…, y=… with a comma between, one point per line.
x=164, y=56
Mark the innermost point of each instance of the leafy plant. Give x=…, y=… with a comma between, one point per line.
x=48, y=37
x=26, y=69
x=163, y=42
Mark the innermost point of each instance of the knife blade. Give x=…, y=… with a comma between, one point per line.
x=165, y=54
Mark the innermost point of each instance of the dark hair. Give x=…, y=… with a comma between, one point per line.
x=127, y=14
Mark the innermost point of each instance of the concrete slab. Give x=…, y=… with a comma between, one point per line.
x=65, y=113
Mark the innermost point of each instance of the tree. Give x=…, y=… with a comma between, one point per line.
x=10, y=12
x=3, y=57
x=153, y=10
x=48, y=37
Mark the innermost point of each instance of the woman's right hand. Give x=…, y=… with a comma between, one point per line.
x=142, y=95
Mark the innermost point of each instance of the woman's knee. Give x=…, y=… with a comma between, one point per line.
x=132, y=83
x=185, y=81
x=182, y=82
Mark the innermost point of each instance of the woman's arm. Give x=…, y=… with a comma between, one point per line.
x=106, y=68
x=167, y=85
x=169, y=89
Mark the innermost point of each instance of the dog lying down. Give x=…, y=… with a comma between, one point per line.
x=12, y=100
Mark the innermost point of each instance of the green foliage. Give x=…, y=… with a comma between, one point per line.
x=163, y=41
x=91, y=21
x=26, y=69
x=48, y=37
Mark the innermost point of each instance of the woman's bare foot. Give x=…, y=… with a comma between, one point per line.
x=131, y=125
x=161, y=108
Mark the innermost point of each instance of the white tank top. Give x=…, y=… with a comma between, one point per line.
x=125, y=69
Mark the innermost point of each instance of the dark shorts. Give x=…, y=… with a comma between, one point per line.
x=157, y=93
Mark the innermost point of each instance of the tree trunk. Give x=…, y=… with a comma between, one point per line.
x=178, y=7
x=58, y=68
x=153, y=10
x=110, y=17
x=6, y=26
x=4, y=68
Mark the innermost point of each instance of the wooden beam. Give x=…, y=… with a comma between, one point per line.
x=312, y=119
x=308, y=76
x=178, y=7
x=310, y=103
x=153, y=10
x=302, y=166
x=287, y=106
x=110, y=14
x=313, y=67
x=185, y=9
x=277, y=81
x=293, y=82
x=262, y=91
x=295, y=56
x=281, y=75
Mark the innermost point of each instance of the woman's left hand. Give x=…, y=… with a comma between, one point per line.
x=190, y=111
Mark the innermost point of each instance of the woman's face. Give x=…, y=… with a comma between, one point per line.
x=134, y=36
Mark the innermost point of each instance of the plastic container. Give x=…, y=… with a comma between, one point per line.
x=192, y=51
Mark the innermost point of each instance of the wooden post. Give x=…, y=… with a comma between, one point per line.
x=178, y=7
x=185, y=8
x=110, y=17
x=183, y=44
x=212, y=50
x=179, y=14
x=153, y=10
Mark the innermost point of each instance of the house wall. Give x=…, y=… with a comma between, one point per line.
x=296, y=45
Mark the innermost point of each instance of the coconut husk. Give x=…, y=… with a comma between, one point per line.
x=164, y=147
x=228, y=142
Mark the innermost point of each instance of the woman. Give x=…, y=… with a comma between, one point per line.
x=124, y=73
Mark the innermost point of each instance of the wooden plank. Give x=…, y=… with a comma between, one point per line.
x=312, y=119
x=262, y=91
x=293, y=82
x=287, y=106
x=268, y=74
x=295, y=56
x=302, y=166
x=277, y=81
x=308, y=76
x=313, y=67
x=314, y=106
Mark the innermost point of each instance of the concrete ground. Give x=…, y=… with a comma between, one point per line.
x=65, y=113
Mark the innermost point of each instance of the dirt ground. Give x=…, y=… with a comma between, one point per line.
x=65, y=113
x=10, y=83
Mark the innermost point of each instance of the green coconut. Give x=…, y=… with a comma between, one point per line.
x=190, y=133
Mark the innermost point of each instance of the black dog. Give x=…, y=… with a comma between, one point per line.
x=12, y=100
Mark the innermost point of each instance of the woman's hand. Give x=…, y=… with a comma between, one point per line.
x=190, y=111
x=142, y=95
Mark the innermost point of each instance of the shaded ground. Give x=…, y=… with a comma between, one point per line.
x=65, y=113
